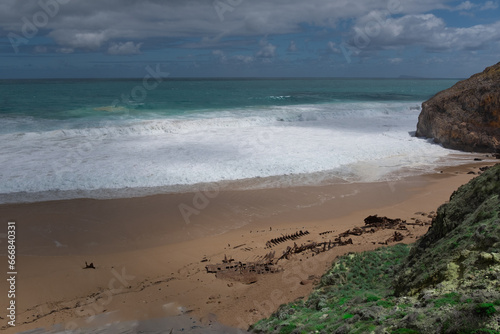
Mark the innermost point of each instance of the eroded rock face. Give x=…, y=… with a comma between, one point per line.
x=466, y=116
x=461, y=251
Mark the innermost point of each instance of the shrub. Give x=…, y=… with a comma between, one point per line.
x=372, y=298
x=405, y=331
x=287, y=329
x=449, y=299
x=486, y=309
x=385, y=303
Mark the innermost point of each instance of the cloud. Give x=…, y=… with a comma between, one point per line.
x=128, y=48
x=292, y=47
x=237, y=59
x=90, y=25
x=41, y=49
x=267, y=50
x=466, y=5
x=244, y=59
x=65, y=50
x=76, y=39
x=489, y=5
x=219, y=54
x=374, y=32
x=332, y=47
x=395, y=60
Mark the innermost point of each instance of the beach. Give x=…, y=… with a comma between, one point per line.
x=210, y=202
x=150, y=261
x=193, y=166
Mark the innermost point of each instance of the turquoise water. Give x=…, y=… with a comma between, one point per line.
x=81, y=101
x=87, y=138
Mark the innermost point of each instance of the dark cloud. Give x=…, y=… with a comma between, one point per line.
x=248, y=37
x=95, y=24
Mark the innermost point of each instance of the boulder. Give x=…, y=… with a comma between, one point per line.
x=466, y=116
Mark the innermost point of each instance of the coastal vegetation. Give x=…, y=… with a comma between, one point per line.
x=447, y=282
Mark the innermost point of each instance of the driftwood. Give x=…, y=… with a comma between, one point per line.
x=283, y=238
x=243, y=271
x=383, y=222
x=247, y=271
x=355, y=231
x=375, y=223
x=395, y=238
x=314, y=247
x=226, y=260
x=242, y=268
x=89, y=266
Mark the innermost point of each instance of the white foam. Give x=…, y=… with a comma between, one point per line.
x=360, y=141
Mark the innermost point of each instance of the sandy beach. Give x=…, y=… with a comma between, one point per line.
x=150, y=254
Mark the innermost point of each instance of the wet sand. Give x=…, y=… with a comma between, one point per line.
x=150, y=253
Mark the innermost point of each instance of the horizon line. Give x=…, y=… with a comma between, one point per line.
x=234, y=78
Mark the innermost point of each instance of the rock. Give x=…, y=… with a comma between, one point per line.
x=369, y=313
x=344, y=329
x=458, y=253
x=466, y=116
x=486, y=256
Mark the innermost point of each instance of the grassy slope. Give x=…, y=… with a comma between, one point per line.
x=448, y=282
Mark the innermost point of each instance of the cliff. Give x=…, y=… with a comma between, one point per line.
x=448, y=282
x=466, y=116
x=463, y=241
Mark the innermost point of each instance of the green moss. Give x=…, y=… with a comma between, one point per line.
x=372, y=298
x=485, y=309
x=478, y=331
x=342, y=301
x=319, y=327
x=363, y=327
x=405, y=331
x=448, y=299
x=288, y=329
x=385, y=303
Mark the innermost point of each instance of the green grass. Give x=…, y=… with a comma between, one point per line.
x=385, y=303
x=449, y=299
x=287, y=329
x=405, y=331
x=485, y=309
x=354, y=282
x=372, y=298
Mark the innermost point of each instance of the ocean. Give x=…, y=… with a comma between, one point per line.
x=62, y=139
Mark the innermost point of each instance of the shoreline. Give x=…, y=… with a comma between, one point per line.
x=356, y=173
x=148, y=258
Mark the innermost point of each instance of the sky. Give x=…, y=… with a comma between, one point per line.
x=247, y=38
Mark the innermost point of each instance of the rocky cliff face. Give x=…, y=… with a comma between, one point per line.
x=466, y=116
x=461, y=250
